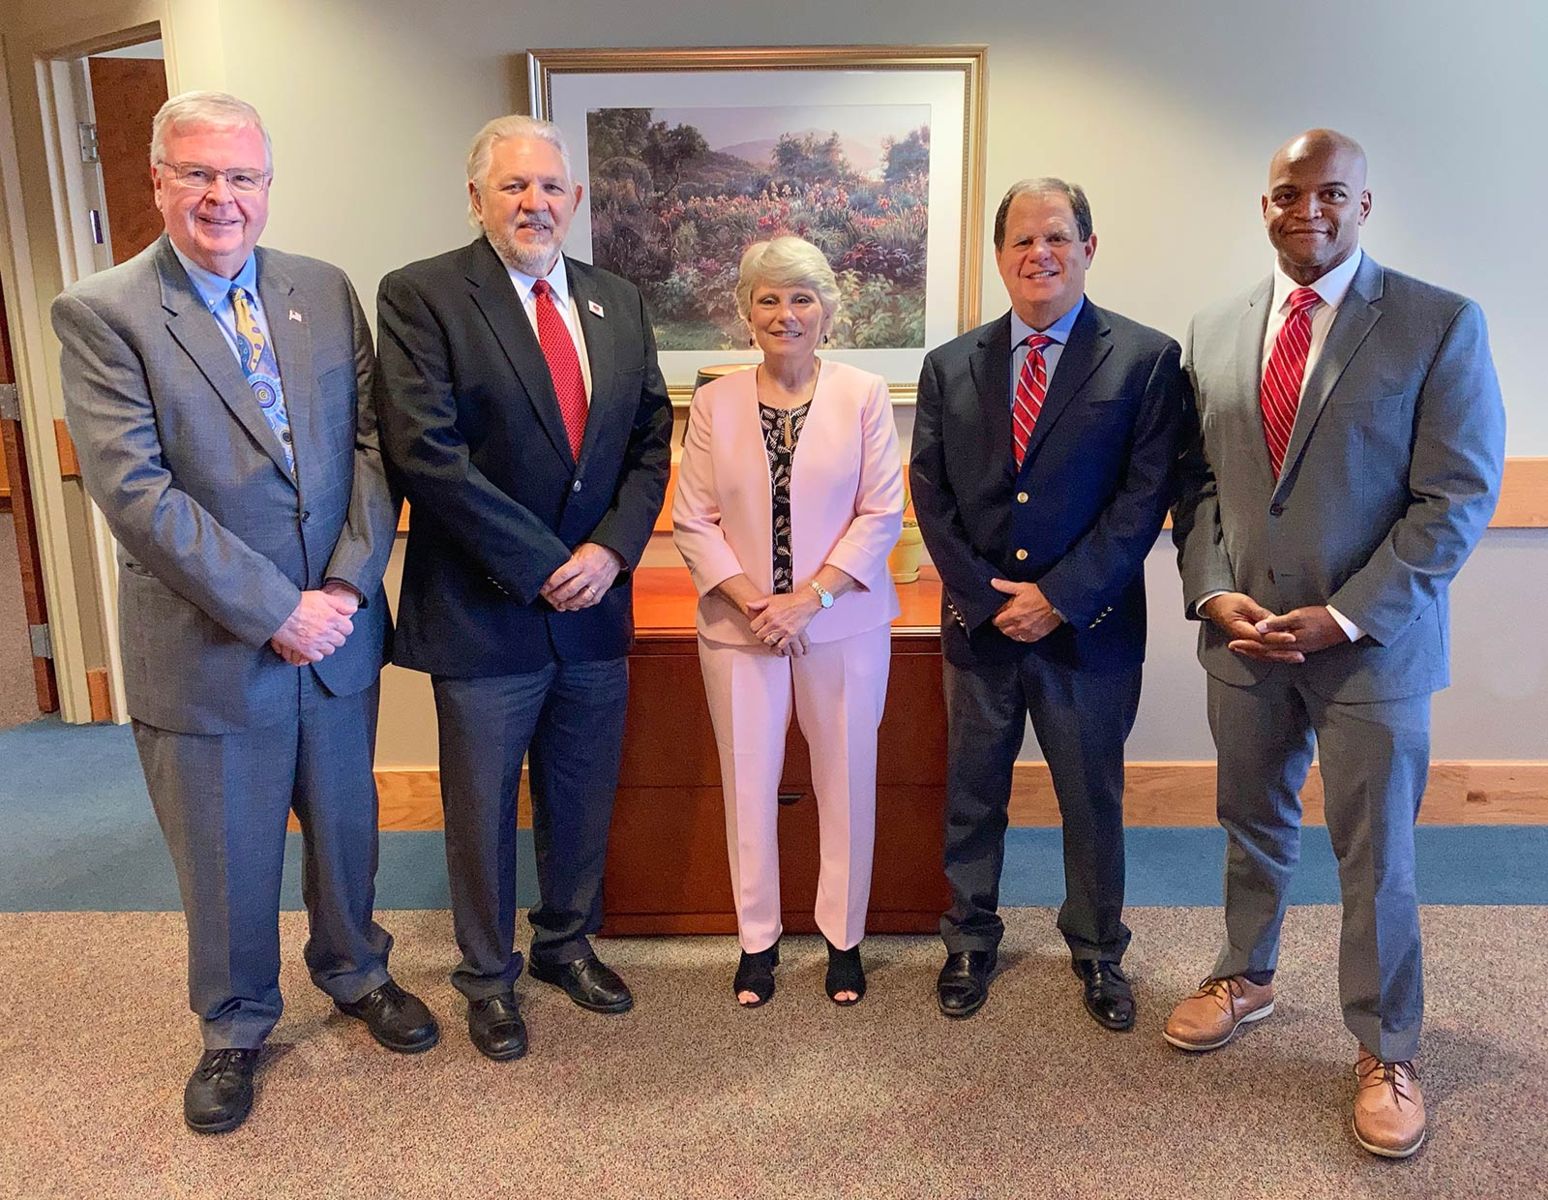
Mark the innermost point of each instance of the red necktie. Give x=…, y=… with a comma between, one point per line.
x=1031, y=389
x=1280, y=394
x=563, y=365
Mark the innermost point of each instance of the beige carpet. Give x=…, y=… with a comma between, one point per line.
x=18, y=699
x=689, y=1097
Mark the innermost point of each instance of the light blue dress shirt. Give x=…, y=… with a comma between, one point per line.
x=215, y=291
x=1059, y=331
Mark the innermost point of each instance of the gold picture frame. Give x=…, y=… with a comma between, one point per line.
x=905, y=302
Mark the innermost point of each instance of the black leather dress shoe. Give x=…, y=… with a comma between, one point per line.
x=496, y=1027
x=963, y=985
x=219, y=1094
x=1108, y=996
x=588, y=981
x=397, y=1019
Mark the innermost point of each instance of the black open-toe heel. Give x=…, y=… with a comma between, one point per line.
x=845, y=974
x=755, y=974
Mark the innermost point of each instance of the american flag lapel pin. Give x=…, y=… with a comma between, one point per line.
x=595, y=307
x=295, y=316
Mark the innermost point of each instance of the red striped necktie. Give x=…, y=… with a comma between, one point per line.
x=1031, y=389
x=563, y=365
x=1280, y=393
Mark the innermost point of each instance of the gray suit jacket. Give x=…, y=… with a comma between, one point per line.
x=216, y=541
x=1390, y=478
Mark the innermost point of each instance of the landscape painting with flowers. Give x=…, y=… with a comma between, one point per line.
x=676, y=195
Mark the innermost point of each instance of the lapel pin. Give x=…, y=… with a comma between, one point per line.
x=294, y=315
x=595, y=307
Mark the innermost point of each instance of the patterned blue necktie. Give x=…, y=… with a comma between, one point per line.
x=262, y=371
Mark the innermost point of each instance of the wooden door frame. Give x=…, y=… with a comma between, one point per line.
x=79, y=584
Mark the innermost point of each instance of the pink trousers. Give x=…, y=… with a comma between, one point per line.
x=837, y=691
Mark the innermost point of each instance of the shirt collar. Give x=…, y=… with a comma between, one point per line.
x=212, y=288
x=1059, y=330
x=1333, y=286
x=558, y=280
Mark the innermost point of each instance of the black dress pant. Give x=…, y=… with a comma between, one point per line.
x=568, y=720
x=1081, y=720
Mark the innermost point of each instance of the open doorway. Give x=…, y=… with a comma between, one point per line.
x=97, y=107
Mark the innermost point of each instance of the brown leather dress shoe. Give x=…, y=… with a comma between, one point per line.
x=1210, y=1017
x=1388, y=1107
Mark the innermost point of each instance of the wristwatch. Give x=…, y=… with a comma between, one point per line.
x=824, y=596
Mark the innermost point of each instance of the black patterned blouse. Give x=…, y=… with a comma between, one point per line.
x=780, y=436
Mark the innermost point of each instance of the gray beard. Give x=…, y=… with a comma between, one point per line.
x=519, y=258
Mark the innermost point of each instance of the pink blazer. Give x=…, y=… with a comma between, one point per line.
x=846, y=500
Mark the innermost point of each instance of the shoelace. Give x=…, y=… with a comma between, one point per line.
x=223, y=1060
x=1222, y=989
x=1375, y=1073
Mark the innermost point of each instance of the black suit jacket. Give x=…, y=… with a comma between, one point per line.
x=473, y=435
x=1087, y=504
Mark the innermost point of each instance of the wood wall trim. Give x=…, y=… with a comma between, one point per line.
x=1157, y=794
x=69, y=461
x=1523, y=496
x=99, y=694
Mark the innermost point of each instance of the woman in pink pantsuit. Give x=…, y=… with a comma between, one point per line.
x=789, y=498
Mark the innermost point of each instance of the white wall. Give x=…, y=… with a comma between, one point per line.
x=1167, y=113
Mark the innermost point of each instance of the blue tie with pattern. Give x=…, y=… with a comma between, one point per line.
x=262, y=371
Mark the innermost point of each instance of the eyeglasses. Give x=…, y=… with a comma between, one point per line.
x=202, y=177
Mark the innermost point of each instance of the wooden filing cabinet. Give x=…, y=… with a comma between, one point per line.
x=666, y=867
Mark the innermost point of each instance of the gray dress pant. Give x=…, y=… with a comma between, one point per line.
x=1375, y=759
x=223, y=801
x=1081, y=720
x=567, y=719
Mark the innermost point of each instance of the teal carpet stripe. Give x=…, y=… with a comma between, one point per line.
x=79, y=836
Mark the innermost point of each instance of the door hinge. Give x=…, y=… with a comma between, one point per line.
x=42, y=643
x=86, y=131
x=10, y=402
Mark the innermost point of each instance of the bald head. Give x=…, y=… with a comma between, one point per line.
x=1316, y=202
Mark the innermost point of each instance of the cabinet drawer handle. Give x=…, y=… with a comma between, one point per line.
x=788, y=798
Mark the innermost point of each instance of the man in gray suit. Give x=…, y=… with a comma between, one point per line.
x=1347, y=460
x=220, y=397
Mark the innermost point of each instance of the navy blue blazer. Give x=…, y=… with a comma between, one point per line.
x=472, y=433
x=1086, y=506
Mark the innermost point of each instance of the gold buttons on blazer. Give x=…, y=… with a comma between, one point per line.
x=1021, y=555
x=1021, y=497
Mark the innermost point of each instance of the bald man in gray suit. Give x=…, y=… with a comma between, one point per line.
x=221, y=399
x=1348, y=454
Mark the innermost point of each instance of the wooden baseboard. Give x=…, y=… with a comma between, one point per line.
x=1156, y=793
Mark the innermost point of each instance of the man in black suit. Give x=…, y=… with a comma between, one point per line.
x=526, y=419
x=1042, y=467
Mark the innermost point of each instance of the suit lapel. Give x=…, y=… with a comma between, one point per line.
x=495, y=296
x=193, y=327
x=597, y=330
x=1088, y=345
x=1356, y=317
x=1247, y=365
x=990, y=365
x=292, y=342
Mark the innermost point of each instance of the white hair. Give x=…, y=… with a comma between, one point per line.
x=218, y=110
x=498, y=130
x=781, y=262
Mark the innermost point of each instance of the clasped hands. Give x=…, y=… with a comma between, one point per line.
x=779, y=621
x=318, y=625
x=1027, y=616
x=583, y=578
x=1260, y=634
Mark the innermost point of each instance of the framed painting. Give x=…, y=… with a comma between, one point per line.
x=872, y=153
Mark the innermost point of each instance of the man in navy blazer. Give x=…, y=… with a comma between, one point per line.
x=1043, y=454
x=527, y=421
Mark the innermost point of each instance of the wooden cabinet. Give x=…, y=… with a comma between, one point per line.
x=666, y=867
